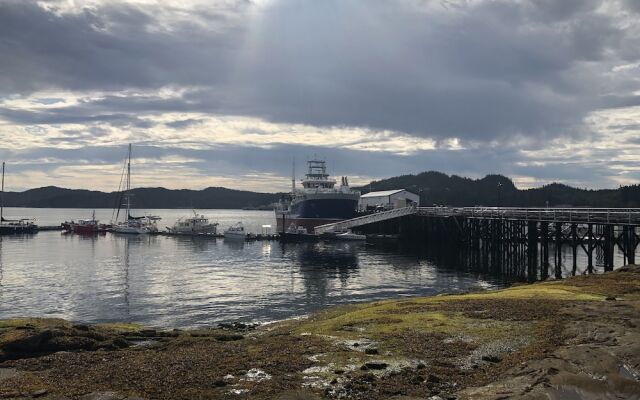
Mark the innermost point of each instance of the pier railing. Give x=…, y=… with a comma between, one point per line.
x=364, y=220
x=618, y=216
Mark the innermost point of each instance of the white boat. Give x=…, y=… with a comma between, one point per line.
x=235, y=232
x=195, y=225
x=349, y=236
x=133, y=225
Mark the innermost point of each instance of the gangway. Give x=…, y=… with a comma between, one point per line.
x=364, y=220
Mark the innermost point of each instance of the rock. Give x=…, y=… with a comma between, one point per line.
x=433, y=378
x=220, y=383
x=297, y=395
x=492, y=358
x=610, y=298
x=31, y=343
x=120, y=343
x=371, y=351
x=103, y=396
x=148, y=332
x=338, y=371
x=81, y=327
x=68, y=343
x=421, y=365
x=39, y=393
x=376, y=365
x=228, y=338
x=369, y=377
x=6, y=373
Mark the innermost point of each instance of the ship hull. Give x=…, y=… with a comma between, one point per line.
x=17, y=229
x=314, y=212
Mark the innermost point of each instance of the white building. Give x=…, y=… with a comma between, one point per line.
x=388, y=199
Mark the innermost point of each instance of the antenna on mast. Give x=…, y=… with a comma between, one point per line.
x=293, y=175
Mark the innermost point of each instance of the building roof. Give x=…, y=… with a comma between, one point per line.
x=383, y=193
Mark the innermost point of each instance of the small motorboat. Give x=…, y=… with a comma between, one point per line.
x=195, y=225
x=235, y=232
x=297, y=234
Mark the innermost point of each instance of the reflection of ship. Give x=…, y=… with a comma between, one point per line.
x=318, y=202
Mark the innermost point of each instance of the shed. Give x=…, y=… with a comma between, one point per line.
x=388, y=199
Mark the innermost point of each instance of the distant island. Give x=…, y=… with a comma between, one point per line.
x=432, y=186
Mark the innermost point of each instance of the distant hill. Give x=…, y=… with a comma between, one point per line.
x=433, y=187
x=438, y=188
x=213, y=197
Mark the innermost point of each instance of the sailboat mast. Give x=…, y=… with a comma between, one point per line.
x=2, y=195
x=129, y=183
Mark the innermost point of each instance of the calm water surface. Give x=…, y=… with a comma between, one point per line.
x=185, y=282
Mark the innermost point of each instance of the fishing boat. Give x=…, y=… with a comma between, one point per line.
x=132, y=225
x=235, y=232
x=13, y=226
x=194, y=225
x=86, y=226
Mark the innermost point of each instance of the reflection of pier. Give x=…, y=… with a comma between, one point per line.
x=509, y=239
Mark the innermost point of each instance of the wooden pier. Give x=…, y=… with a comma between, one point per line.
x=520, y=241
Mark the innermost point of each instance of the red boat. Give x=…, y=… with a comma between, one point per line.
x=85, y=226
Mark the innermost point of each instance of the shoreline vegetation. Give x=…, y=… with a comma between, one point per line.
x=571, y=338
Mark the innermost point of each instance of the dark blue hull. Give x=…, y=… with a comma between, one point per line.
x=313, y=212
x=325, y=209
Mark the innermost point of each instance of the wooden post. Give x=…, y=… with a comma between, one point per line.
x=544, y=249
x=574, y=247
x=590, y=245
x=558, y=271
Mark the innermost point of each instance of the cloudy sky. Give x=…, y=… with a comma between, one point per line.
x=228, y=92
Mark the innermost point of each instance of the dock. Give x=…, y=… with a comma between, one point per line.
x=509, y=239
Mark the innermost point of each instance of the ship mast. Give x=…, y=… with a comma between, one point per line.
x=293, y=175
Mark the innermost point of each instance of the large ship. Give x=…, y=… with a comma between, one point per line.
x=319, y=201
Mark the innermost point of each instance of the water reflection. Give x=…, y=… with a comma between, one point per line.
x=190, y=281
x=320, y=264
x=235, y=244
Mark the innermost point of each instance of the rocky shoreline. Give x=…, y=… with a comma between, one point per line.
x=569, y=339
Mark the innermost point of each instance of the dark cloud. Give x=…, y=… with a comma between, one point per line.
x=478, y=72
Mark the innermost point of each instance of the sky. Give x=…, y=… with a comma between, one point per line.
x=230, y=92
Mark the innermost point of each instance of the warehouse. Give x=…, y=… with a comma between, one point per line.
x=388, y=199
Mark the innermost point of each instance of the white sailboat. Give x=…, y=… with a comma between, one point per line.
x=133, y=225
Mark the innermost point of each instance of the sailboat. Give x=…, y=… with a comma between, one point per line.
x=133, y=225
x=13, y=226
